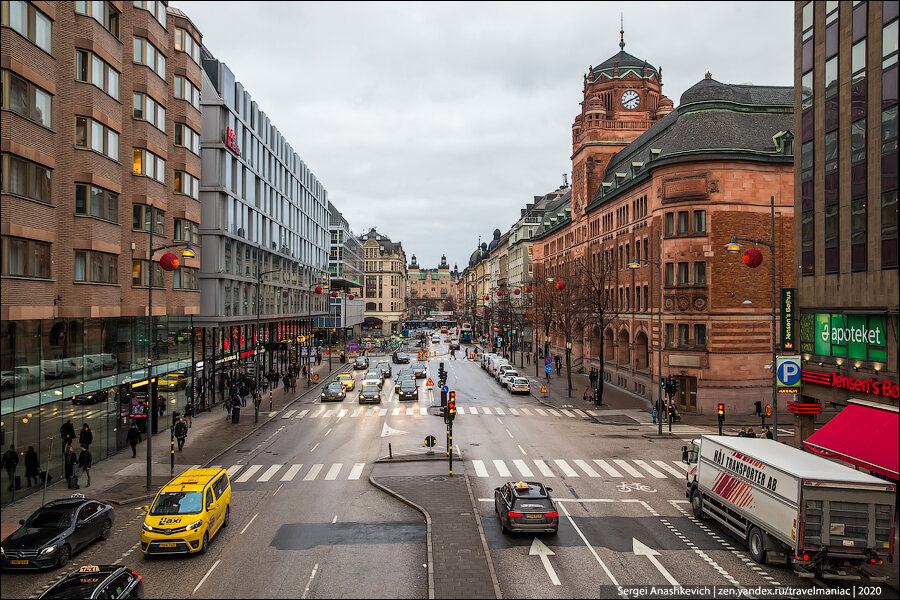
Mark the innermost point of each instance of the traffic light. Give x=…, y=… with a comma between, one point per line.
x=674, y=386
x=451, y=408
x=720, y=411
x=662, y=383
x=758, y=406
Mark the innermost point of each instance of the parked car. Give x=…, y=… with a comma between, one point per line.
x=507, y=377
x=370, y=394
x=498, y=375
x=360, y=362
x=98, y=581
x=519, y=385
x=525, y=506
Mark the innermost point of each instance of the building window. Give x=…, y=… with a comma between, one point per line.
x=831, y=73
x=187, y=231
x=96, y=136
x=889, y=229
x=147, y=54
x=155, y=8
x=699, y=273
x=139, y=274
x=25, y=258
x=96, y=202
x=185, y=43
x=647, y=297
x=683, y=273
x=187, y=138
x=670, y=224
x=102, y=12
x=670, y=273
x=25, y=178
x=25, y=98
x=831, y=151
x=699, y=221
x=700, y=335
x=149, y=165
x=143, y=216
x=96, y=267
x=185, y=278
x=29, y=22
x=185, y=90
x=858, y=60
x=148, y=109
x=808, y=14
x=670, y=335
x=858, y=234
x=187, y=184
x=684, y=331
x=90, y=68
x=683, y=222
x=889, y=45
x=832, y=241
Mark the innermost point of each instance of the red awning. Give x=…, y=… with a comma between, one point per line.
x=861, y=435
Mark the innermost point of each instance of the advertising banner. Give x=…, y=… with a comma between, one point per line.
x=854, y=336
x=788, y=341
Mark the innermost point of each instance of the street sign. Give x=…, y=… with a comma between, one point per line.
x=768, y=410
x=445, y=389
x=430, y=441
x=548, y=360
x=548, y=368
x=315, y=376
x=429, y=383
x=543, y=389
x=788, y=373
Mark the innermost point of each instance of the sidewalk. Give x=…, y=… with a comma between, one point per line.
x=122, y=479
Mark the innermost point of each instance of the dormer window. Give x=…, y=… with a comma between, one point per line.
x=654, y=153
x=636, y=168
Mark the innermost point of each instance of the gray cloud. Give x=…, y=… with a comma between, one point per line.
x=437, y=122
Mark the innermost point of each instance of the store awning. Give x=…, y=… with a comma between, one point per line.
x=863, y=434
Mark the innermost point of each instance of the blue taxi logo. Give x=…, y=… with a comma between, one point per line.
x=169, y=521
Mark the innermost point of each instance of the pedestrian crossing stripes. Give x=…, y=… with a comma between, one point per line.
x=271, y=473
x=561, y=467
x=417, y=410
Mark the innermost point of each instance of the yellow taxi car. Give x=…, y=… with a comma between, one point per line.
x=187, y=512
x=176, y=380
x=346, y=380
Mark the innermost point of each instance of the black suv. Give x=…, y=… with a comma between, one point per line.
x=360, y=362
x=400, y=358
x=525, y=506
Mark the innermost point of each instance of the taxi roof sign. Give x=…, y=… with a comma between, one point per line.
x=521, y=485
x=89, y=569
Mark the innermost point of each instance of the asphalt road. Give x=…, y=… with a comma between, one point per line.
x=305, y=522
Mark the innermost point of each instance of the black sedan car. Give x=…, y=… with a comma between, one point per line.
x=360, y=362
x=419, y=370
x=408, y=390
x=334, y=391
x=400, y=358
x=526, y=506
x=370, y=394
x=56, y=531
x=385, y=368
x=103, y=581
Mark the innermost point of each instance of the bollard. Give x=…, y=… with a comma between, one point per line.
x=390, y=453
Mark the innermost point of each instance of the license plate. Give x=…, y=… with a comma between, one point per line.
x=19, y=562
x=167, y=545
x=532, y=516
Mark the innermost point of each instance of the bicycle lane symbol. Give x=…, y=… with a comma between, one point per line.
x=627, y=488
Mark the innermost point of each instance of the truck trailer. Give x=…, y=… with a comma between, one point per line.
x=792, y=507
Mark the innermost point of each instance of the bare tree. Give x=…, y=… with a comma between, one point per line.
x=543, y=311
x=574, y=302
x=599, y=277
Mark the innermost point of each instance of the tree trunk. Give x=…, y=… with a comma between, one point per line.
x=569, y=368
x=601, y=379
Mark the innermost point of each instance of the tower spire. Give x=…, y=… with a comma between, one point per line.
x=622, y=31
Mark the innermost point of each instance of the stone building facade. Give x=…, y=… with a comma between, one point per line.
x=384, y=286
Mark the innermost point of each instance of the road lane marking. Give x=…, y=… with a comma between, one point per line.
x=314, y=472
x=539, y=411
x=302, y=414
x=342, y=414
x=514, y=411
x=508, y=433
x=318, y=412
x=527, y=412
x=649, y=469
x=499, y=420
x=314, y=447
x=423, y=411
x=538, y=548
x=682, y=466
x=486, y=410
x=292, y=472
x=553, y=412
x=248, y=473
x=606, y=467
x=288, y=414
x=591, y=548
x=522, y=450
x=215, y=564
x=662, y=465
x=586, y=468
x=233, y=469
x=569, y=471
x=369, y=412
x=248, y=523
x=396, y=412
x=641, y=549
x=382, y=412
x=480, y=470
x=356, y=471
x=565, y=412
x=579, y=412
x=333, y=471
x=329, y=413
x=269, y=473
x=334, y=520
x=308, y=583
x=523, y=468
x=501, y=468
x=409, y=411
x=499, y=411
x=358, y=412
x=473, y=410
x=628, y=468
x=543, y=468
x=327, y=432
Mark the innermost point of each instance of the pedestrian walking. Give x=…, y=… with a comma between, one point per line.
x=228, y=405
x=189, y=413
x=293, y=385
x=32, y=466
x=86, y=436
x=528, y=358
x=85, y=459
x=452, y=354
x=70, y=461
x=558, y=362
x=68, y=433
x=287, y=380
x=243, y=392
x=593, y=378
x=10, y=462
x=180, y=433
x=133, y=437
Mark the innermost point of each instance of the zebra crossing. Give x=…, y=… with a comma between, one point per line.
x=282, y=473
x=328, y=411
x=592, y=468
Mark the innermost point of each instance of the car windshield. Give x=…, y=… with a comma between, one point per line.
x=370, y=389
x=405, y=372
x=335, y=387
x=177, y=503
x=510, y=373
x=402, y=355
x=372, y=375
x=521, y=381
x=55, y=518
x=408, y=384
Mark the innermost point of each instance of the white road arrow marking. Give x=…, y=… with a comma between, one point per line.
x=641, y=549
x=538, y=548
x=387, y=431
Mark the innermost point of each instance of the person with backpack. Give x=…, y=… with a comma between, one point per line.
x=189, y=413
x=180, y=433
x=228, y=405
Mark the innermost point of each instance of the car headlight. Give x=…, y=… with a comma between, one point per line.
x=194, y=525
x=2, y=551
x=49, y=549
x=147, y=527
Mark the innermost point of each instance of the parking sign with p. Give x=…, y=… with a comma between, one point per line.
x=787, y=374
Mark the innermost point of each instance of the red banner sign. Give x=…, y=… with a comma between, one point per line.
x=869, y=386
x=231, y=141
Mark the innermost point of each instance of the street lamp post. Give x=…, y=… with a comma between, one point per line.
x=187, y=252
x=256, y=398
x=733, y=247
x=634, y=264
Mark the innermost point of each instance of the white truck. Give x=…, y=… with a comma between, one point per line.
x=792, y=507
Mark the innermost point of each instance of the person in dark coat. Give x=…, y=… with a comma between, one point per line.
x=287, y=382
x=70, y=461
x=85, y=460
x=68, y=433
x=133, y=438
x=558, y=362
x=180, y=433
x=10, y=462
x=86, y=436
x=245, y=389
x=32, y=466
x=189, y=413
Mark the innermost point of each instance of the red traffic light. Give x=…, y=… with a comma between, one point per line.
x=720, y=409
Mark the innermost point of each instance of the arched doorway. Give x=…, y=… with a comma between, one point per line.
x=642, y=351
x=595, y=342
x=609, y=345
x=624, y=351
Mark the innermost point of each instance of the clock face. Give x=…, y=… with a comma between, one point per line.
x=630, y=99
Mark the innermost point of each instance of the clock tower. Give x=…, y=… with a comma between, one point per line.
x=622, y=99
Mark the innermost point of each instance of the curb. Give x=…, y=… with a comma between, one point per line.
x=487, y=552
x=428, y=542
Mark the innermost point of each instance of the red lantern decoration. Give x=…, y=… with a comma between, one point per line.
x=284, y=293
x=334, y=294
x=528, y=288
x=560, y=285
x=517, y=291
x=318, y=289
x=349, y=296
x=498, y=293
x=486, y=298
x=169, y=262
x=752, y=258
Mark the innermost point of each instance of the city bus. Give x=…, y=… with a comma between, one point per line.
x=465, y=334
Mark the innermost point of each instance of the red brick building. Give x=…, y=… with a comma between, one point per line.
x=695, y=176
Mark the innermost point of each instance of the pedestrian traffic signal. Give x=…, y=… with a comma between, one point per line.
x=720, y=411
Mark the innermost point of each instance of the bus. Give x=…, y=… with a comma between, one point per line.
x=465, y=334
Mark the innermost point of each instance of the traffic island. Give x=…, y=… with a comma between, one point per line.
x=459, y=562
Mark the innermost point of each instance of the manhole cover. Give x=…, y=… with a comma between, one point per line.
x=437, y=479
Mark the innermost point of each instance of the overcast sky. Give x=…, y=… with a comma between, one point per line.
x=436, y=123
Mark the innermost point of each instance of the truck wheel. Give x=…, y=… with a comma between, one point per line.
x=697, y=503
x=757, y=544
